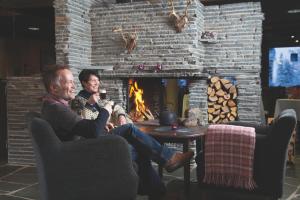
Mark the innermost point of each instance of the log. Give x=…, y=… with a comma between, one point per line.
x=234, y=95
x=210, y=117
x=209, y=90
x=227, y=96
x=211, y=110
x=228, y=86
x=232, y=89
x=217, y=106
x=231, y=103
x=224, y=81
x=225, y=109
x=220, y=93
x=222, y=100
x=214, y=79
x=231, y=118
x=218, y=85
x=216, y=112
x=213, y=98
x=216, y=119
x=210, y=104
x=233, y=113
x=234, y=109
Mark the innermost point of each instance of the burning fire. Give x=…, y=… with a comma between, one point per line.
x=141, y=112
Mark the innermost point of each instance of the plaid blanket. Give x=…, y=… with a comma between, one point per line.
x=229, y=152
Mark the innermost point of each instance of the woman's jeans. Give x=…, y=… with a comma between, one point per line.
x=143, y=144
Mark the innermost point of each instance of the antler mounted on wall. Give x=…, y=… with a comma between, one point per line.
x=180, y=21
x=130, y=39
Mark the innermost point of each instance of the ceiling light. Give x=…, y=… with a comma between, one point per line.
x=293, y=11
x=34, y=28
x=292, y=36
x=297, y=41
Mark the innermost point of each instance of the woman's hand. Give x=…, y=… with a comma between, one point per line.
x=94, y=98
x=122, y=120
x=109, y=126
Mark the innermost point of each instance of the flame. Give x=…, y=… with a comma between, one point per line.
x=138, y=97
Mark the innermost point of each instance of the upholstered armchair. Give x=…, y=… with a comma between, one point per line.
x=270, y=154
x=84, y=169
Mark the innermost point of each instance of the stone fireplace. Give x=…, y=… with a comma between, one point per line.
x=84, y=39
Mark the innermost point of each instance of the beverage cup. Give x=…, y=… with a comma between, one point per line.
x=102, y=93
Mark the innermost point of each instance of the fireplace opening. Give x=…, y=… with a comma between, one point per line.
x=148, y=97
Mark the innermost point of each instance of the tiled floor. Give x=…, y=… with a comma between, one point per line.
x=20, y=182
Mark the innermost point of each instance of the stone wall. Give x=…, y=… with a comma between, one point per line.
x=84, y=39
x=157, y=41
x=237, y=52
x=23, y=95
x=73, y=34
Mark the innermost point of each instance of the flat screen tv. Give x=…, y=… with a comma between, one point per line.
x=284, y=66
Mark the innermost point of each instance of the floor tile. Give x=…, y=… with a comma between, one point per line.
x=21, y=178
x=27, y=175
x=6, y=169
x=31, y=192
x=8, y=187
x=5, y=197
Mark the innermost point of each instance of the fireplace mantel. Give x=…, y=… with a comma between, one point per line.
x=151, y=74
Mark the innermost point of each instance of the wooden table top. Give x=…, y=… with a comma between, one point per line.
x=153, y=128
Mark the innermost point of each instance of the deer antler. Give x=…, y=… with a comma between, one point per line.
x=179, y=21
x=119, y=29
x=128, y=38
x=188, y=3
x=173, y=13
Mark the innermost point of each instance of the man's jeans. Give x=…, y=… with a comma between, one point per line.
x=144, y=148
x=143, y=144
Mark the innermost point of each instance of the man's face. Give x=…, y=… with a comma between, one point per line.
x=92, y=85
x=66, y=87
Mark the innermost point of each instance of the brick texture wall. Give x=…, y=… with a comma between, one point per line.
x=23, y=95
x=238, y=52
x=84, y=39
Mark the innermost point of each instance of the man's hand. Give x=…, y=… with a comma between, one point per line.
x=94, y=98
x=109, y=126
x=122, y=120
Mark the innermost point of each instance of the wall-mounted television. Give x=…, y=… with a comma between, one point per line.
x=284, y=66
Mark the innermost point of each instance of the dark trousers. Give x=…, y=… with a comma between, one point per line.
x=144, y=148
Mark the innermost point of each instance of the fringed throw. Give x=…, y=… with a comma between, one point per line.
x=229, y=153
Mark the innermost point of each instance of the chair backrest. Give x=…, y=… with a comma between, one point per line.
x=275, y=151
x=86, y=169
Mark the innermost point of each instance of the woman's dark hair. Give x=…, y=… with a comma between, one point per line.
x=85, y=74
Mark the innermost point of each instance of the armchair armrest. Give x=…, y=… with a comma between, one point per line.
x=95, y=166
x=259, y=128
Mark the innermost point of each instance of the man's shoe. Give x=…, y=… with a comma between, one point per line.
x=178, y=160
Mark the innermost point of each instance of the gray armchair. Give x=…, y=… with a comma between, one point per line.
x=270, y=154
x=90, y=169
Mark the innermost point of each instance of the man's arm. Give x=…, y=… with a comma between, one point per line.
x=92, y=128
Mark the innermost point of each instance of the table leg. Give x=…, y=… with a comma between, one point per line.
x=186, y=176
x=160, y=171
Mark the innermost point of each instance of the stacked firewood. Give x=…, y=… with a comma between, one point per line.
x=222, y=100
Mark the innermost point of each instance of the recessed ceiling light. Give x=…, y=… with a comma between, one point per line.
x=292, y=36
x=293, y=11
x=34, y=28
x=297, y=41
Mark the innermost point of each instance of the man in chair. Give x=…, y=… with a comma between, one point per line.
x=59, y=83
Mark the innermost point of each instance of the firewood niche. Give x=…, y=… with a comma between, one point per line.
x=222, y=100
